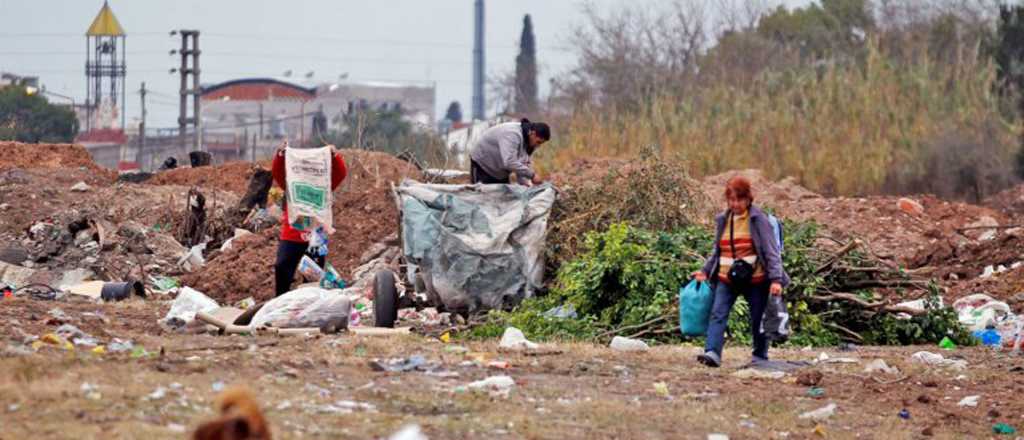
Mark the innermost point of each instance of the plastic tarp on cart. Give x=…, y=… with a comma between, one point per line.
x=478, y=247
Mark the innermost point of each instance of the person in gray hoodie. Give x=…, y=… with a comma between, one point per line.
x=506, y=149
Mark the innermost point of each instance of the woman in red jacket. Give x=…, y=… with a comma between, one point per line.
x=294, y=243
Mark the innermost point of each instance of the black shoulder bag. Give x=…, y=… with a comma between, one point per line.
x=741, y=273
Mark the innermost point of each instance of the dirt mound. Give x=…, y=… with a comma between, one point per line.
x=887, y=231
x=247, y=269
x=232, y=176
x=364, y=214
x=967, y=259
x=1009, y=201
x=50, y=156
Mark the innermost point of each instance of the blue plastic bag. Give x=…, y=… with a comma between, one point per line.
x=695, y=308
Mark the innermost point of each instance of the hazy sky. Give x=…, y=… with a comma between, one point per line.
x=410, y=41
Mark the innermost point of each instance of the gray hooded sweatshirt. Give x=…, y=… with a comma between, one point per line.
x=501, y=151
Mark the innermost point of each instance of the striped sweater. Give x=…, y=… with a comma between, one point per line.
x=744, y=249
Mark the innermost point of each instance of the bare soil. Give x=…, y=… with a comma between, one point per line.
x=586, y=391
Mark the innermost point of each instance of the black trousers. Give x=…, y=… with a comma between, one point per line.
x=478, y=175
x=289, y=254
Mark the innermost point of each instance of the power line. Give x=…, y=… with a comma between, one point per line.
x=379, y=42
x=71, y=34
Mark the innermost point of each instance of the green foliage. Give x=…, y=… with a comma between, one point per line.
x=30, y=118
x=929, y=328
x=819, y=30
x=529, y=317
x=628, y=277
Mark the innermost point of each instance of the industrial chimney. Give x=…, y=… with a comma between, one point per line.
x=478, y=62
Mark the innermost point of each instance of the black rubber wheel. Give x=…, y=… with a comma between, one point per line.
x=385, y=299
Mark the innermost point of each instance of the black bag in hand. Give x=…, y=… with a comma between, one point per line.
x=775, y=324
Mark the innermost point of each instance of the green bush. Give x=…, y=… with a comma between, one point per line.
x=626, y=281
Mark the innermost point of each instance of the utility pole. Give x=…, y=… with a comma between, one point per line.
x=142, y=125
x=478, y=61
x=185, y=71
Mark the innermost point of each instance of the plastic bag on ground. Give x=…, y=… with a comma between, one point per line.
x=514, y=339
x=976, y=312
x=186, y=305
x=194, y=258
x=308, y=176
x=304, y=307
x=695, y=308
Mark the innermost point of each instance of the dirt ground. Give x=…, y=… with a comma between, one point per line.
x=308, y=388
x=325, y=388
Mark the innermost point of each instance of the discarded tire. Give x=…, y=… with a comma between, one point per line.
x=385, y=299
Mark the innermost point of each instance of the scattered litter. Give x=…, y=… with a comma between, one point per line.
x=566, y=311
x=54, y=340
x=824, y=358
x=820, y=413
x=174, y=427
x=620, y=343
x=59, y=315
x=718, y=437
x=117, y=345
x=495, y=385
x=194, y=258
x=78, y=337
x=904, y=414
x=399, y=365
x=879, y=365
x=499, y=365
x=947, y=344
x=217, y=386
x=81, y=187
x=342, y=407
x=929, y=358
x=458, y=349
x=661, y=389
x=753, y=373
x=13, y=407
x=157, y=394
x=1002, y=428
x=819, y=430
x=90, y=391
x=971, y=401
x=774, y=365
x=164, y=284
x=186, y=305
x=909, y=206
x=409, y=432
x=515, y=340
x=305, y=307
x=283, y=406
x=815, y=392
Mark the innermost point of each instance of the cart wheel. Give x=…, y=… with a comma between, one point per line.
x=385, y=299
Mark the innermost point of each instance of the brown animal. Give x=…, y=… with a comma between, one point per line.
x=240, y=418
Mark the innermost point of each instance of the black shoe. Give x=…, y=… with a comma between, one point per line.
x=710, y=359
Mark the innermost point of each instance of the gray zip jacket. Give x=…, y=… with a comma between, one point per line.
x=501, y=151
x=764, y=245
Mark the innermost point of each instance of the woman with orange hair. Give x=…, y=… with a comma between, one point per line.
x=746, y=261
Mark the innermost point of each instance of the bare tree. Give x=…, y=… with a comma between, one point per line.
x=629, y=54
